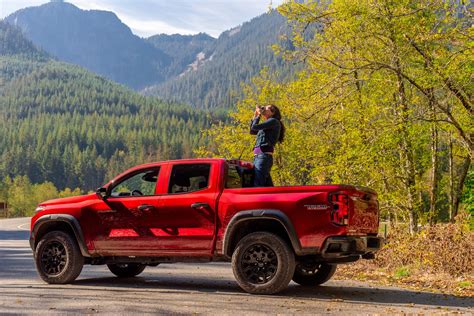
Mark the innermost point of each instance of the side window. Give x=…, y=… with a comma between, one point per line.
x=142, y=183
x=239, y=177
x=189, y=178
x=248, y=176
x=233, y=180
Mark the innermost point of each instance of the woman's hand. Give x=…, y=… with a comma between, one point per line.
x=257, y=112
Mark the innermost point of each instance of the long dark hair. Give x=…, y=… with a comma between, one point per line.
x=277, y=115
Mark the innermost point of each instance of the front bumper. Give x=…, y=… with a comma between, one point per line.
x=348, y=246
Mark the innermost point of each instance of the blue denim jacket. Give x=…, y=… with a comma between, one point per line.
x=267, y=132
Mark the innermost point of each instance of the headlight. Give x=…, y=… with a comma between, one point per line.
x=39, y=209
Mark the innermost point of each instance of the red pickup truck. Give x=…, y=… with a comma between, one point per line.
x=203, y=210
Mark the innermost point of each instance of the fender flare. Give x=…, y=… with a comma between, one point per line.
x=65, y=218
x=270, y=214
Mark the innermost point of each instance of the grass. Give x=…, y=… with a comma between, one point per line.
x=402, y=272
x=465, y=284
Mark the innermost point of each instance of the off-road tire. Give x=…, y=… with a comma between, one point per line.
x=263, y=263
x=126, y=270
x=311, y=274
x=58, y=259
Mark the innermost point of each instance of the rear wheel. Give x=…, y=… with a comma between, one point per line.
x=126, y=270
x=313, y=273
x=263, y=263
x=58, y=259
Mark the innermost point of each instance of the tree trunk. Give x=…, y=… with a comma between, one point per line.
x=407, y=154
x=406, y=146
x=434, y=164
x=451, y=178
x=462, y=177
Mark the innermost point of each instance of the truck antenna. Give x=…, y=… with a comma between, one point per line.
x=241, y=153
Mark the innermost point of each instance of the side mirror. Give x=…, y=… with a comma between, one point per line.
x=102, y=193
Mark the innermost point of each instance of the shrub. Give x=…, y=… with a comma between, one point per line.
x=442, y=248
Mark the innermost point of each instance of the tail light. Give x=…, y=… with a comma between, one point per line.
x=340, y=208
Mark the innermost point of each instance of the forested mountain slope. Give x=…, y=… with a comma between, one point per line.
x=12, y=42
x=238, y=55
x=182, y=49
x=63, y=124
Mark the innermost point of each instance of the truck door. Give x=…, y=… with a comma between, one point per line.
x=132, y=203
x=187, y=210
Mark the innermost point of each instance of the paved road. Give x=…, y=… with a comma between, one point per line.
x=190, y=289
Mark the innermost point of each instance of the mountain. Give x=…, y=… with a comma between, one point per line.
x=198, y=70
x=12, y=42
x=236, y=56
x=64, y=124
x=96, y=40
x=18, y=56
x=183, y=49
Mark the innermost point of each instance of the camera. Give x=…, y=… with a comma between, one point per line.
x=261, y=108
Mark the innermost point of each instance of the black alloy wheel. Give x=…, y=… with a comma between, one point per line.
x=126, y=270
x=259, y=263
x=53, y=258
x=310, y=273
x=263, y=263
x=58, y=259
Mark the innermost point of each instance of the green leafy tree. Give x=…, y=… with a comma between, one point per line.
x=67, y=192
x=20, y=195
x=384, y=100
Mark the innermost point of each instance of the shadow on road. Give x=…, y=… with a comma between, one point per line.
x=17, y=263
x=16, y=255
x=15, y=235
x=325, y=292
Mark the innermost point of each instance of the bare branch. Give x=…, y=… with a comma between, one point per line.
x=449, y=83
x=467, y=139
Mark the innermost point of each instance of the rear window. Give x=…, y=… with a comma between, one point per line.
x=238, y=177
x=189, y=178
x=233, y=180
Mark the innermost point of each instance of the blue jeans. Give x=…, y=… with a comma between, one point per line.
x=263, y=164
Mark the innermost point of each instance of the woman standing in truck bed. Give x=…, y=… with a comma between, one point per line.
x=268, y=134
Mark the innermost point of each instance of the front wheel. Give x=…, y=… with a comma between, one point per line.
x=126, y=270
x=263, y=263
x=313, y=273
x=58, y=259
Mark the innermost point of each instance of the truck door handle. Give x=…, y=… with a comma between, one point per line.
x=146, y=207
x=199, y=205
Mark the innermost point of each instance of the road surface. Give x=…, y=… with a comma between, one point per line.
x=190, y=289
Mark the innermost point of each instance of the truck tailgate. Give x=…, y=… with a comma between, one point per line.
x=357, y=209
x=364, y=215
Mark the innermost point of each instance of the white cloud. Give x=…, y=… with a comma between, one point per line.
x=148, y=28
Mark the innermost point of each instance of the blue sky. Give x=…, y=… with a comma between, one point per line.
x=149, y=17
